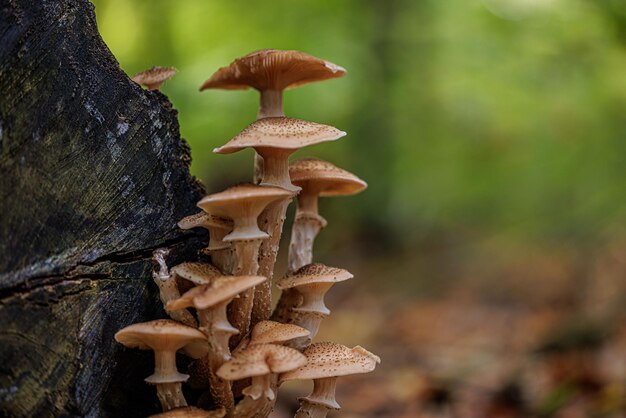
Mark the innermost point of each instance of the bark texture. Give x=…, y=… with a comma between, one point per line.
x=93, y=177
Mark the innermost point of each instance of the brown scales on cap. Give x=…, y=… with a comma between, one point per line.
x=154, y=77
x=314, y=273
x=275, y=332
x=196, y=272
x=324, y=178
x=272, y=69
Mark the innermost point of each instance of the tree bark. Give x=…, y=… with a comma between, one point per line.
x=93, y=177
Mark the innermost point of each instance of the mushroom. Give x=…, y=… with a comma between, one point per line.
x=261, y=362
x=193, y=274
x=325, y=362
x=218, y=228
x=211, y=301
x=191, y=412
x=271, y=71
x=272, y=332
x=168, y=290
x=311, y=282
x=275, y=139
x=154, y=77
x=316, y=178
x=165, y=337
x=243, y=204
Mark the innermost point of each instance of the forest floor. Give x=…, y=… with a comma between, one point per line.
x=461, y=354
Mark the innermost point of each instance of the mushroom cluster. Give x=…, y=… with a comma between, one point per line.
x=221, y=310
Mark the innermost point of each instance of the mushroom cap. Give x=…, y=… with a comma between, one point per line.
x=205, y=220
x=196, y=272
x=325, y=178
x=220, y=289
x=155, y=76
x=243, y=200
x=313, y=273
x=164, y=335
x=261, y=359
x=276, y=332
x=280, y=133
x=271, y=69
x=328, y=359
x=191, y=412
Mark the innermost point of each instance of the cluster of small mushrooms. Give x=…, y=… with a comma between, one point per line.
x=221, y=311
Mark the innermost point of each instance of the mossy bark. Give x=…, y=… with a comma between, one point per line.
x=93, y=177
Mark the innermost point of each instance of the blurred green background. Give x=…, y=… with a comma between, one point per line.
x=492, y=134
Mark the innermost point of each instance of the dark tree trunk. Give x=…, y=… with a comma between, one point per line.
x=93, y=177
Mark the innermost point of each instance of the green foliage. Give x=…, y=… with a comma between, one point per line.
x=487, y=115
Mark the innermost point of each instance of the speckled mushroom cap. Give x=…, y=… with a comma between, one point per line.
x=328, y=359
x=196, y=272
x=276, y=332
x=205, y=220
x=280, y=133
x=247, y=200
x=261, y=359
x=313, y=273
x=191, y=412
x=164, y=335
x=324, y=178
x=220, y=289
x=154, y=77
x=272, y=69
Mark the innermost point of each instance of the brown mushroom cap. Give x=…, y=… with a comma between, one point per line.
x=240, y=200
x=220, y=289
x=328, y=359
x=276, y=332
x=196, y=272
x=325, y=178
x=154, y=77
x=164, y=335
x=280, y=133
x=191, y=412
x=205, y=220
x=313, y=273
x=271, y=69
x=261, y=359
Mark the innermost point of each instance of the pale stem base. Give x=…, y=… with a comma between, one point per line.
x=320, y=401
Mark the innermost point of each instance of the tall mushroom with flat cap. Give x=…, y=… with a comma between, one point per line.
x=311, y=282
x=211, y=301
x=261, y=362
x=168, y=289
x=153, y=78
x=218, y=228
x=271, y=71
x=243, y=204
x=325, y=362
x=165, y=337
x=316, y=178
x=275, y=139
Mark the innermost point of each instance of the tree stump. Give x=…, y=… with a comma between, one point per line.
x=93, y=177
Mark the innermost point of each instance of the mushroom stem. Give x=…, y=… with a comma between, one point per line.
x=271, y=221
x=247, y=264
x=305, y=229
x=223, y=259
x=169, y=392
x=310, y=321
x=260, y=397
x=320, y=401
x=271, y=104
x=171, y=395
x=276, y=169
x=168, y=290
